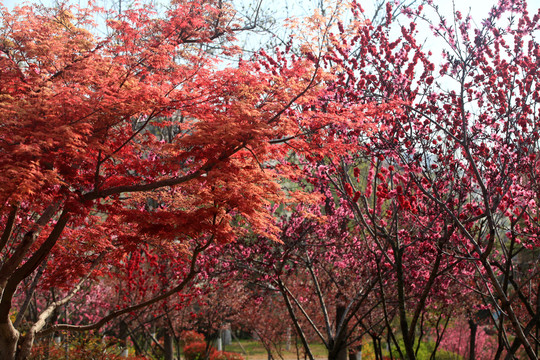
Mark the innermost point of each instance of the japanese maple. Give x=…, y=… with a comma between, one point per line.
x=85, y=182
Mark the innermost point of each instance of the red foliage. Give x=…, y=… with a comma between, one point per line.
x=224, y=355
x=127, y=156
x=191, y=337
x=200, y=350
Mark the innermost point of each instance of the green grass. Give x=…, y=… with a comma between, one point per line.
x=254, y=349
x=424, y=352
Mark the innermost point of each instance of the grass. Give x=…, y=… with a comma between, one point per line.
x=255, y=350
x=424, y=352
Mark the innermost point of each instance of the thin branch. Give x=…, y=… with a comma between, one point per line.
x=95, y=326
x=169, y=182
x=320, y=296
x=313, y=325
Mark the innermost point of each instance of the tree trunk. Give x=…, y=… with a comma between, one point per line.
x=168, y=345
x=407, y=340
x=376, y=347
x=123, y=333
x=338, y=349
x=338, y=353
x=9, y=337
x=219, y=342
x=472, y=340
x=342, y=354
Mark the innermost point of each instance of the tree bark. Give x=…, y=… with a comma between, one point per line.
x=472, y=340
x=9, y=337
x=168, y=345
x=338, y=350
x=408, y=342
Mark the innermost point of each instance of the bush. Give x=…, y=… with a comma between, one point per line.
x=81, y=348
x=191, y=336
x=197, y=351
x=223, y=355
x=195, y=348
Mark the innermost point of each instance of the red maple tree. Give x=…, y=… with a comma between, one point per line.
x=86, y=178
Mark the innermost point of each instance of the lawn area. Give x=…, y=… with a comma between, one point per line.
x=253, y=350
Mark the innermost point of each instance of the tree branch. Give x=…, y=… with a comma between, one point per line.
x=8, y=230
x=95, y=326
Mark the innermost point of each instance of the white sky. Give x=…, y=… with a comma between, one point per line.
x=479, y=7
x=281, y=9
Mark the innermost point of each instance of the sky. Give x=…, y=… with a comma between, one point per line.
x=285, y=8
x=479, y=7
x=281, y=9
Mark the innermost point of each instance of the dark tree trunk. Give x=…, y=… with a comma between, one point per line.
x=338, y=346
x=169, y=346
x=472, y=340
x=122, y=334
x=376, y=348
x=407, y=340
